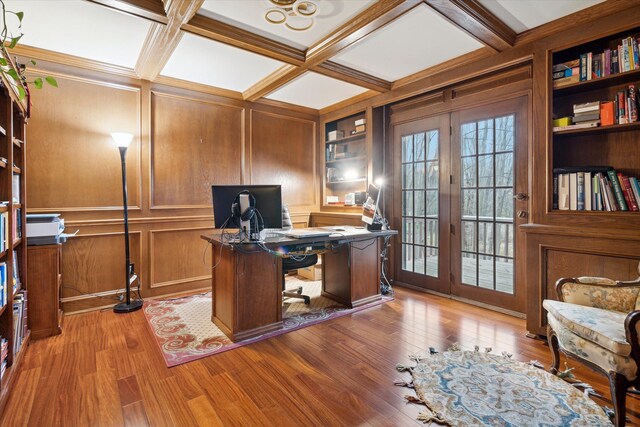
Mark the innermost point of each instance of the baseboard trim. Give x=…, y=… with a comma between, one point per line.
x=464, y=300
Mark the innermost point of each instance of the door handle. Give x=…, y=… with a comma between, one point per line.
x=522, y=214
x=521, y=196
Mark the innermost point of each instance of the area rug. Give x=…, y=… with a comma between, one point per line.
x=472, y=388
x=184, y=331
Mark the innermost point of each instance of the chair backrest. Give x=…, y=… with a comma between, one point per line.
x=286, y=218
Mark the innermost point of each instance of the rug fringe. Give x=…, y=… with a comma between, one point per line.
x=402, y=368
x=402, y=383
x=431, y=417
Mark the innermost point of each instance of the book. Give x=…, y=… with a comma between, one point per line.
x=15, y=189
x=606, y=113
x=622, y=107
x=555, y=192
x=617, y=190
x=635, y=187
x=586, y=117
x=586, y=107
x=562, y=121
x=565, y=81
x=580, y=191
x=596, y=202
x=563, y=191
x=583, y=67
x=583, y=125
x=588, y=192
x=633, y=106
x=628, y=192
x=573, y=191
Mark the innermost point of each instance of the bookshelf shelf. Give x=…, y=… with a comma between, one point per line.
x=575, y=152
x=347, y=181
x=601, y=82
x=600, y=129
x=2, y=309
x=13, y=319
x=350, y=138
x=346, y=160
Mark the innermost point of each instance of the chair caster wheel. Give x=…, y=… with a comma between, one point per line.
x=299, y=290
x=307, y=300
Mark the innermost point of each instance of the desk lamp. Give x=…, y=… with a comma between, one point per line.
x=122, y=142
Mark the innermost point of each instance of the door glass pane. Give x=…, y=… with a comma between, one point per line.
x=419, y=207
x=487, y=177
x=407, y=149
x=469, y=172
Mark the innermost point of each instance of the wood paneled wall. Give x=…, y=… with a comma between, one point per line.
x=184, y=142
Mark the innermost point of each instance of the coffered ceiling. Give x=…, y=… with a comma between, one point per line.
x=352, y=47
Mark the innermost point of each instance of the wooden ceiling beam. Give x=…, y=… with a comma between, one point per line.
x=474, y=19
x=228, y=34
x=370, y=20
x=349, y=75
x=162, y=40
x=367, y=22
x=148, y=9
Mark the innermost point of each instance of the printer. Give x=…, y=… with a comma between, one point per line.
x=45, y=229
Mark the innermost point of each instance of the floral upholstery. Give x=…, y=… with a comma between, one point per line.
x=602, y=327
x=606, y=297
x=607, y=360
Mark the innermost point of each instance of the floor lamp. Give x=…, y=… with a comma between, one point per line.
x=122, y=141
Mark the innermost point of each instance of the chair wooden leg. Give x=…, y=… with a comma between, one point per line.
x=555, y=350
x=618, y=384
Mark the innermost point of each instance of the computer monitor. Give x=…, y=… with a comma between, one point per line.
x=268, y=201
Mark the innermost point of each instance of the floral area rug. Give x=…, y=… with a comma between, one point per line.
x=473, y=388
x=184, y=330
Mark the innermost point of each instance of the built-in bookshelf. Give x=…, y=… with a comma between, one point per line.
x=346, y=160
x=14, y=331
x=595, y=138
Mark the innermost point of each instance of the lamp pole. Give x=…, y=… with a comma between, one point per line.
x=123, y=140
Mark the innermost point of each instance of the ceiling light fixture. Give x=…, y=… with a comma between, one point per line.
x=296, y=15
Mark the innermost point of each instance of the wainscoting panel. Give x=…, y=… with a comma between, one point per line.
x=283, y=152
x=194, y=144
x=95, y=264
x=179, y=256
x=73, y=164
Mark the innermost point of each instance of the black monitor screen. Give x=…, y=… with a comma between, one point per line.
x=268, y=203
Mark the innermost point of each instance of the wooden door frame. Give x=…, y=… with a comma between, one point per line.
x=518, y=105
x=442, y=123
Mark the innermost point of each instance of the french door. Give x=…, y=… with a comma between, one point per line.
x=460, y=204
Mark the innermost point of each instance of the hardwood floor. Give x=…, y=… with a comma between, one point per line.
x=105, y=369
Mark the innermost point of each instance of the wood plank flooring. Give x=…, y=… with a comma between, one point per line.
x=105, y=369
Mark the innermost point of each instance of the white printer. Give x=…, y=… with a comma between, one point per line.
x=45, y=229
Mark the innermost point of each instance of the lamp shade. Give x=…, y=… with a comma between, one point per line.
x=122, y=139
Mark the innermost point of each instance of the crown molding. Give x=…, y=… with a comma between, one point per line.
x=349, y=102
x=148, y=9
x=71, y=60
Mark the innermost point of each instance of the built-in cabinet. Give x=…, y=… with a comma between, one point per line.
x=14, y=333
x=572, y=243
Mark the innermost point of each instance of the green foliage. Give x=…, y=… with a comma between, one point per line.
x=10, y=41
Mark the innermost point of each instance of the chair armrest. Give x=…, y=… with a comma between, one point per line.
x=631, y=328
x=599, y=292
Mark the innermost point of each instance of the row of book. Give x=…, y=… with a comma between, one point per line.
x=4, y=353
x=19, y=319
x=598, y=188
x=589, y=65
x=622, y=109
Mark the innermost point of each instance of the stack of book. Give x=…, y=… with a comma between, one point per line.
x=595, y=188
x=625, y=106
x=19, y=319
x=585, y=115
x=566, y=73
x=623, y=58
x=4, y=353
x=361, y=125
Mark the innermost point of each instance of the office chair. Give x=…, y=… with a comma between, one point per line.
x=289, y=264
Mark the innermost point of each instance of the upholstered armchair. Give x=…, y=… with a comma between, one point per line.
x=596, y=321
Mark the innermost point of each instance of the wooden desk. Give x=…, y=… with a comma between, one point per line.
x=247, y=281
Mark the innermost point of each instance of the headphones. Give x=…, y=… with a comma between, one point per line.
x=249, y=214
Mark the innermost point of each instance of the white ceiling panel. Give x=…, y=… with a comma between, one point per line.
x=249, y=15
x=522, y=15
x=205, y=61
x=80, y=28
x=415, y=41
x=315, y=91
